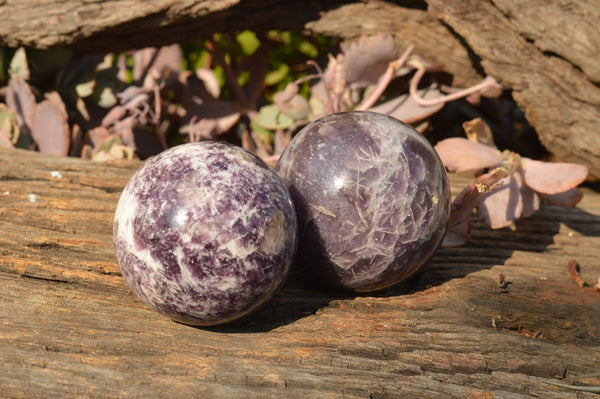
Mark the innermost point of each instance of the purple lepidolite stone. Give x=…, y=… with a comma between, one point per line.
x=205, y=233
x=372, y=199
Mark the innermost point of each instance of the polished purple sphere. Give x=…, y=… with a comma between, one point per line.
x=205, y=233
x=372, y=199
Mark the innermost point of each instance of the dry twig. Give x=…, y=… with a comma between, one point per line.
x=574, y=272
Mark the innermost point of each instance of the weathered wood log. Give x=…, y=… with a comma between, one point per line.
x=70, y=326
x=545, y=51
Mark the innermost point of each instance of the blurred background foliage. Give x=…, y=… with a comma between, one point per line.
x=255, y=89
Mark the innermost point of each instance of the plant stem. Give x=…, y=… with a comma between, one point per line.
x=144, y=73
x=572, y=267
x=213, y=47
x=468, y=199
x=385, y=80
x=488, y=82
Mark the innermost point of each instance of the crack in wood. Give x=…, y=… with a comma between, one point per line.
x=47, y=279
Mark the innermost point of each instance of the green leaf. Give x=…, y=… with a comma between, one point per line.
x=265, y=136
x=317, y=107
x=286, y=37
x=194, y=57
x=276, y=76
x=85, y=89
x=105, y=97
x=248, y=42
x=8, y=124
x=270, y=117
x=261, y=131
x=308, y=49
x=18, y=65
x=81, y=107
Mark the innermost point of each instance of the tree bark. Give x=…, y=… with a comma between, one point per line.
x=70, y=326
x=545, y=51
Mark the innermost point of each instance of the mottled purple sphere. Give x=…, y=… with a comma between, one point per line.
x=372, y=199
x=205, y=233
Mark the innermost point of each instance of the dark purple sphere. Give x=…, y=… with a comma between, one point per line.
x=205, y=233
x=372, y=199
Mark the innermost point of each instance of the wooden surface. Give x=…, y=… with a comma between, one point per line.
x=70, y=326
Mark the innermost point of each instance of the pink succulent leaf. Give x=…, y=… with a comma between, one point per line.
x=130, y=93
x=457, y=235
x=285, y=95
x=260, y=148
x=335, y=83
x=4, y=140
x=96, y=135
x=21, y=100
x=139, y=101
x=530, y=200
x=115, y=114
x=124, y=124
x=367, y=58
x=56, y=99
x=127, y=135
x=507, y=202
x=467, y=200
x=463, y=204
x=319, y=91
x=223, y=115
x=501, y=207
x=552, y=177
x=141, y=58
x=87, y=151
x=211, y=83
x=247, y=142
x=461, y=155
x=111, y=149
x=49, y=128
x=297, y=109
x=406, y=109
x=169, y=58
x=280, y=142
x=9, y=129
x=567, y=198
x=291, y=103
x=204, y=129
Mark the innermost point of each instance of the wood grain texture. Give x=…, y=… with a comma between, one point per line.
x=123, y=24
x=70, y=326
